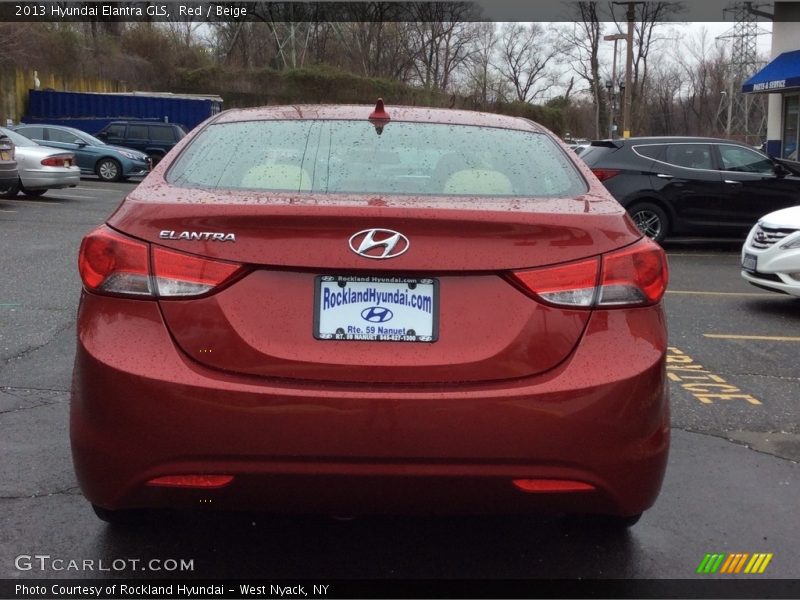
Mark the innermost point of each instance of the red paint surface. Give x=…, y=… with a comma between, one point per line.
x=234, y=383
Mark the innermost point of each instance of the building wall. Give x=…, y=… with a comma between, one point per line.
x=15, y=83
x=785, y=37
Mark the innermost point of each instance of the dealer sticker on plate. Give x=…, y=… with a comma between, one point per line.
x=376, y=309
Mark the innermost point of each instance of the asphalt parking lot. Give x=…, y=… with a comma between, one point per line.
x=732, y=486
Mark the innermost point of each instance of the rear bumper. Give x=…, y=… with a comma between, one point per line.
x=52, y=178
x=141, y=409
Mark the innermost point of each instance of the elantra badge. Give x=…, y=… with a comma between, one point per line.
x=204, y=236
x=379, y=243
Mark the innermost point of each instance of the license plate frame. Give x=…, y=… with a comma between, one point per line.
x=351, y=314
x=750, y=262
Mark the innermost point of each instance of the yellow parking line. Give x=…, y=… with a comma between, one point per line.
x=693, y=293
x=766, y=338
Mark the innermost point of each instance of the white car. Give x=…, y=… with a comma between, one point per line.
x=771, y=254
x=40, y=168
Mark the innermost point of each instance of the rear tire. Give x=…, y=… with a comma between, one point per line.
x=617, y=522
x=108, y=169
x=118, y=517
x=651, y=220
x=34, y=193
x=11, y=192
x=603, y=522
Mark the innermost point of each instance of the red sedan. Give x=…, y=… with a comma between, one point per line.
x=352, y=309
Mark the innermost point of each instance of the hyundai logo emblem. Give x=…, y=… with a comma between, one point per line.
x=379, y=243
x=761, y=236
x=377, y=314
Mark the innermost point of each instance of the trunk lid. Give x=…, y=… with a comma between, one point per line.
x=263, y=324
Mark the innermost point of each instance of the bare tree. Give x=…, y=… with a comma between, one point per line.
x=650, y=18
x=480, y=77
x=704, y=68
x=441, y=41
x=375, y=45
x=525, y=53
x=582, y=48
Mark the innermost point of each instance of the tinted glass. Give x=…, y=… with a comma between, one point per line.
x=64, y=137
x=34, y=133
x=161, y=134
x=116, y=130
x=350, y=156
x=736, y=158
x=18, y=139
x=654, y=151
x=594, y=154
x=691, y=156
x=137, y=132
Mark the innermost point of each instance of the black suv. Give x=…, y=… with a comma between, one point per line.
x=688, y=186
x=153, y=138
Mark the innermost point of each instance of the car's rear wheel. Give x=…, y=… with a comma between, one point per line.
x=603, y=522
x=651, y=220
x=12, y=191
x=109, y=169
x=34, y=193
x=117, y=517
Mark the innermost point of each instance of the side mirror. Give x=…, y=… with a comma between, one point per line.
x=781, y=171
x=80, y=143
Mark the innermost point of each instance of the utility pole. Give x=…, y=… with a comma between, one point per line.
x=626, y=108
x=611, y=91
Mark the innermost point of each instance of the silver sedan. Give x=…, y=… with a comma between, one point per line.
x=40, y=168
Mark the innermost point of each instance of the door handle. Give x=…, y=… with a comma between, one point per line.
x=664, y=176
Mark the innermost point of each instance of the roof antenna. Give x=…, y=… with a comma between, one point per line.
x=379, y=117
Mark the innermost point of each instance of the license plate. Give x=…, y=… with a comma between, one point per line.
x=749, y=262
x=376, y=309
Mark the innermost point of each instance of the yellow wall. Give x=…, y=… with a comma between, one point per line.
x=15, y=83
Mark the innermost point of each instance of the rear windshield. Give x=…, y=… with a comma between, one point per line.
x=593, y=154
x=351, y=157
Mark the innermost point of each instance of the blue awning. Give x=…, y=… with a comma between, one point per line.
x=781, y=74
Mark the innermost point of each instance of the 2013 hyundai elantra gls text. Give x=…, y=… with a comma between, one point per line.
x=358, y=309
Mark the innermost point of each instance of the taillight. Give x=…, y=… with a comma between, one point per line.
x=179, y=274
x=111, y=263
x=572, y=284
x=59, y=160
x=606, y=174
x=114, y=264
x=637, y=274
x=634, y=276
x=6, y=148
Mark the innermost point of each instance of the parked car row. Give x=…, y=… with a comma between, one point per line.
x=706, y=186
x=94, y=157
x=693, y=186
x=38, y=168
